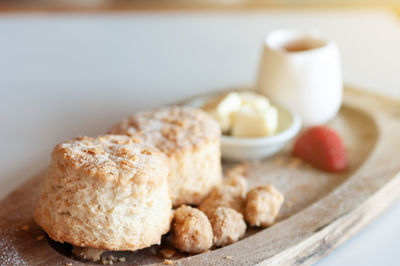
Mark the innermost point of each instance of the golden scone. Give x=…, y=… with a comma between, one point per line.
x=191, y=140
x=191, y=230
x=230, y=194
x=108, y=193
x=228, y=226
x=262, y=205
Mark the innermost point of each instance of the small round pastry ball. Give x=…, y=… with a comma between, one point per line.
x=229, y=194
x=228, y=226
x=109, y=192
x=262, y=205
x=191, y=230
x=191, y=140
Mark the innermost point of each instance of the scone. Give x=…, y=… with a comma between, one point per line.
x=109, y=192
x=191, y=140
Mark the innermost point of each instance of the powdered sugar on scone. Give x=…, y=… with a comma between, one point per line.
x=114, y=157
x=171, y=128
x=109, y=192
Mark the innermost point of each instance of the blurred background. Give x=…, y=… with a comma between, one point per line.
x=123, y=5
x=75, y=67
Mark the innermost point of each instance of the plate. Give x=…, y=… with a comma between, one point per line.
x=320, y=211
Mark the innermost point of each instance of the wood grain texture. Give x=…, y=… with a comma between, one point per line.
x=320, y=212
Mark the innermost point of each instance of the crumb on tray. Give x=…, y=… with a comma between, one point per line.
x=25, y=227
x=88, y=253
x=167, y=253
x=168, y=262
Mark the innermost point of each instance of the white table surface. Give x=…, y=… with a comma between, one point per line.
x=65, y=75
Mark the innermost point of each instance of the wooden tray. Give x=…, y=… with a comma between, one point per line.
x=320, y=212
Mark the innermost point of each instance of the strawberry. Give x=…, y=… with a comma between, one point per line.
x=322, y=148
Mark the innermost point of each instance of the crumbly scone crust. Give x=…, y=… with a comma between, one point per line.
x=191, y=140
x=171, y=129
x=194, y=174
x=109, y=192
x=262, y=205
x=191, y=230
x=230, y=194
x=228, y=225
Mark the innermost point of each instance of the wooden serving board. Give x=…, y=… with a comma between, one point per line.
x=320, y=211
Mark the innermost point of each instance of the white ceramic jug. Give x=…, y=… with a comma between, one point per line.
x=302, y=71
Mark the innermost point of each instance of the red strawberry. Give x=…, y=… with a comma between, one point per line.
x=322, y=148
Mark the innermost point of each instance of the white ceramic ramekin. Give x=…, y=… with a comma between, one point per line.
x=248, y=149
